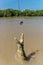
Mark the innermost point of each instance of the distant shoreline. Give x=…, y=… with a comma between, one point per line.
x=19, y=13
x=22, y=17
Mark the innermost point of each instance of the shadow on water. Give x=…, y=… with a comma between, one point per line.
x=28, y=58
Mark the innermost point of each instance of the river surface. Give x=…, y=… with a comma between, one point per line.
x=33, y=40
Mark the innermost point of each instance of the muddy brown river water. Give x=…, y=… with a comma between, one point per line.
x=33, y=40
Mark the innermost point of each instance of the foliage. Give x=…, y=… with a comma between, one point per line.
x=12, y=12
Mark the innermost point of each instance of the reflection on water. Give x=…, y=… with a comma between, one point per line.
x=33, y=33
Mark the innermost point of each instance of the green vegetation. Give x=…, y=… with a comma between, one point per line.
x=12, y=12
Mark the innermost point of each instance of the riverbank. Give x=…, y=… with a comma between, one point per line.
x=27, y=12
